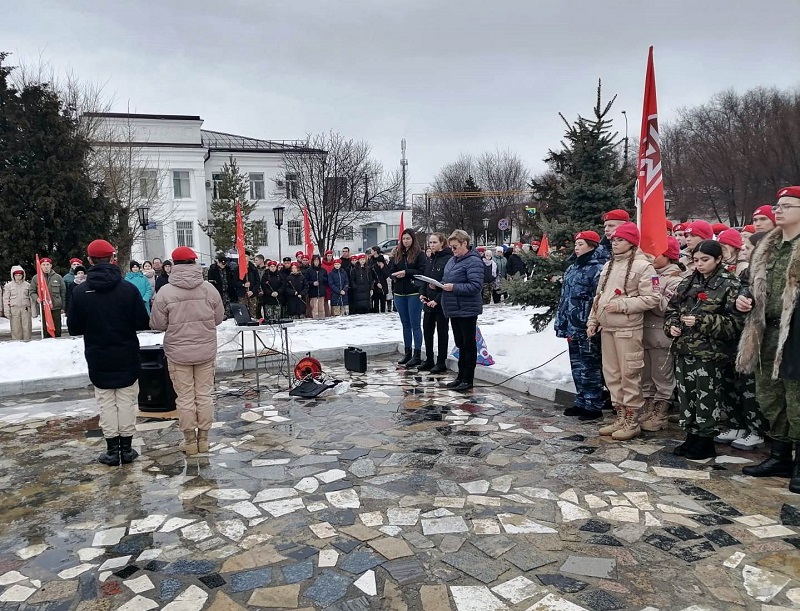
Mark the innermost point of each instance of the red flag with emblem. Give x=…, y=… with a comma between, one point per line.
x=544, y=247
x=307, y=234
x=650, y=184
x=240, y=242
x=402, y=229
x=45, y=300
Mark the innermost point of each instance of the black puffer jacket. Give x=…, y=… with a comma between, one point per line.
x=434, y=268
x=314, y=274
x=108, y=312
x=360, y=285
x=405, y=285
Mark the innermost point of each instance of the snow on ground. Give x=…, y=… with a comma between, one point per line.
x=507, y=331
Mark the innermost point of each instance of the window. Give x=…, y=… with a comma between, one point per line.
x=180, y=184
x=295, y=231
x=259, y=231
x=148, y=184
x=346, y=234
x=216, y=179
x=185, y=231
x=291, y=186
x=392, y=231
x=256, y=185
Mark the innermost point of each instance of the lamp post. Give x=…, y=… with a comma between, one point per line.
x=277, y=211
x=485, y=231
x=143, y=212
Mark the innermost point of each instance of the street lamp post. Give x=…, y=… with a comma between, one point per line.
x=486, y=232
x=277, y=211
x=143, y=212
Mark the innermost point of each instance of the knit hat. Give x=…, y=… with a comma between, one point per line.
x=749, y=229
x=701, y=229
x=789, y=192
x=588, y=236
x=498, y=249
x=627, y=231
x=75, y=260
x=731, y=237
x=767, y=210
x=79, y=268
x=673, y=252
x=616, y=215
x=184, y=253
x=133, y=264
x=718, y=228
x=99, y=249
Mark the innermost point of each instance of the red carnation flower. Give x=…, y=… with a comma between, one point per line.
x=617, y=292
x=702, y=296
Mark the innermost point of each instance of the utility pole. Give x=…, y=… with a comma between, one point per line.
x=366, y=190
x=403, y=167
x=625, y=148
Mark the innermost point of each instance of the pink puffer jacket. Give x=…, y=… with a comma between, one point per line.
x=189, y=310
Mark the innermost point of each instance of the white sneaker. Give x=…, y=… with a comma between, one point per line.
x=751, y=442
x=729, y=435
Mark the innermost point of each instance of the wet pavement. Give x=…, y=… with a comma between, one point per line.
x=396, y=494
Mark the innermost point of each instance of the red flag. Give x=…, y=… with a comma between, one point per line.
x=44, y=297
x=307, y=234
x=544, y=247
x=402, y=229
x=650, y=185
x=240, y=242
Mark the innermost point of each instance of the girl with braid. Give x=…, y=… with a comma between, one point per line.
x=625, y=292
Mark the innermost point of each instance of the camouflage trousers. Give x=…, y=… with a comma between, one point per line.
x=744, y=412
x=779, y=399
x=252, y=305
x=486, y=292
x=700, y=384
x=584, y=359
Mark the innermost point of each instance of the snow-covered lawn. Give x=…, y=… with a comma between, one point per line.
x=507, y=331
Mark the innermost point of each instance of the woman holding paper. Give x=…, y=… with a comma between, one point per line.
x=408, y=261
x=462, y=303
x=431, y=296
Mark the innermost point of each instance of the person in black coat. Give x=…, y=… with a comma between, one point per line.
x=516, y=266
x=296, y=291
x=221, y=276
x=272, y=289
x=433, y=317
x=360, y=286
x=163, y=277
x=317, y=279
x=108, y=312
x=380, y=287
x=407, y=261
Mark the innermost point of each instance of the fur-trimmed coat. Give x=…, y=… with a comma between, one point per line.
x=787, y=358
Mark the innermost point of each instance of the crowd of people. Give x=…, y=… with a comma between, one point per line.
x=711, y=326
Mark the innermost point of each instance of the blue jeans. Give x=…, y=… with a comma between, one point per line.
x=410, y=309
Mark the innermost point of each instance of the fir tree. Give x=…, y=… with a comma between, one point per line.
x=221, y=227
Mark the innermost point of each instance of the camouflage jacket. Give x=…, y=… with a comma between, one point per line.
x=712, y=300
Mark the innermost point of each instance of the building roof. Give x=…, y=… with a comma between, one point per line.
x=220, y=141
x=132, y=115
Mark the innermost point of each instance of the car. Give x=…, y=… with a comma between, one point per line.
x=388, y=245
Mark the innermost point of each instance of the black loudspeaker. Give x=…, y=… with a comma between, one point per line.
x=355, y=359
x=156, y=393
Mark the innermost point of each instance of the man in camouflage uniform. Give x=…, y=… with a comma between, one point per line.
x=770, y=344
x=703, y=309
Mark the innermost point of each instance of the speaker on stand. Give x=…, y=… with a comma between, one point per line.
x=156, y=393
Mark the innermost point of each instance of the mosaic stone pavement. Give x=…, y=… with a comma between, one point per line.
x=395, y=494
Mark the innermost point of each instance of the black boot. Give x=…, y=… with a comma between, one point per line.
x=681, y=450
x=441, y=365
x=779, y=463
x=126, y=452
x=406, y=358
x=111, y=456
x=702, y=448
x=454, y=383
x=463, y=387
x=415, y=361
x=794, y=483
x=428, y=364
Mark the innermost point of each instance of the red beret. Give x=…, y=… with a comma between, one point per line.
x=764, y=211
x=589, y=236
x=270, y=263
x=670, y=227
x=335, y=261
x=481, y=249
x=749, y=229
x=673, y=249
x=298, y=254
x=183, y=253
x=701, y=229
x=679, y=227
x=75, y=260
x=535, y=243
x=100, y=249
x=731, y=237
x=628, y=231
x=616, y=215
x=718, y=228
x=328, y=252
x=789, y=192
x=46, y=260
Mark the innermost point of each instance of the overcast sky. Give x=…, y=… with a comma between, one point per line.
x=450, y=76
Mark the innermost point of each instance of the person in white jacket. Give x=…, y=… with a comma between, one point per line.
x=18, y=306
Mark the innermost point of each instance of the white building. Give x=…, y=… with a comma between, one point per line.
x=178, y=164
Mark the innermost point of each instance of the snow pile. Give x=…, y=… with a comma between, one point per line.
x=506, y=329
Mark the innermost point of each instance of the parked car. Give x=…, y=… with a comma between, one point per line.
x=388, y=245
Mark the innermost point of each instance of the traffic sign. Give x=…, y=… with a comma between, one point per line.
x=503, y=224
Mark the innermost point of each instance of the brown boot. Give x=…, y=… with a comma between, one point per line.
x=658, y=419
x=202, y=441
x=630, y=428
x=617, y=424
x=647, y=410
x=189, y=443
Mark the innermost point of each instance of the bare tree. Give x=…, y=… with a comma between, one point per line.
x=339, y=183
x=503, y=177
